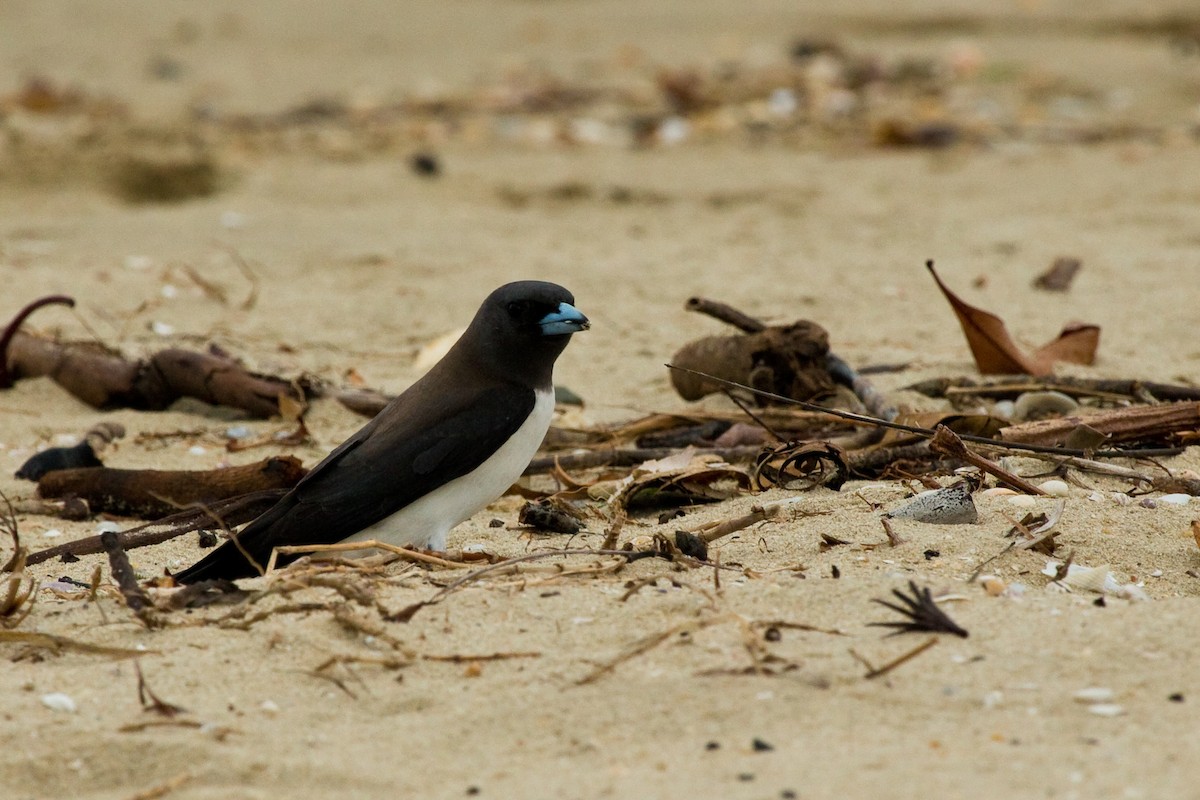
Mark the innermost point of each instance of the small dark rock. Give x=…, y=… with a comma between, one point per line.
x=712, y=746
x=1175, y=697
x=745, y=777
x=930, y=555
x=208, y=539
x=544, y=516
x=691, y=545
x=496, y=523
x=55, y=458
x=68, y=558
x=426, y=165
x=772, y=634
x=761, y=745
x=834, y=571
x=667, y=516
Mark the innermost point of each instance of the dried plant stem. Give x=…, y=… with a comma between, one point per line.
x=712, y=531
x=342, y=547
x=57, y=643
x=643, y=645
x=895, y=662
x=122, y=571
x=948, y=443
x=164, y=788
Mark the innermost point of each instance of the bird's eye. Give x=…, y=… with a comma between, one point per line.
x=516, y=308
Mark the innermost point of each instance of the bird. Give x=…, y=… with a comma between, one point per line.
x=438, y=453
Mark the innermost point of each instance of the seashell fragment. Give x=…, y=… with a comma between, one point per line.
x=952, y=505
x=1099, y=579
x=1023, y=500
x=998, y=491
x=1094, y=694
x=1107, y=709
x=59, y=701
x=1039, y=405
x=1055, y=488
x=1175, y=499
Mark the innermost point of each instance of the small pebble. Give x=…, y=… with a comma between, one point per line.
x=761, y=745
x=673, y=130
x=162, y=328
x=1175, y=499
x=106, y=526
x=993, y=586
x=53, y=533
x=196, y=450
x=58, y=701
x=1023, y=500
x=269, y=707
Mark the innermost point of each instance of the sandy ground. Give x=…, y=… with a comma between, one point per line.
x=360, y=263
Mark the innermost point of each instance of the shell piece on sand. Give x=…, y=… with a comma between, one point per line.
x=1100, y=580
x=59, y=701
x=952, y=505
x=1094, y=694
x=1055, y=488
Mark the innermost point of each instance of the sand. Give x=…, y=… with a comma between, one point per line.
x=359, y=263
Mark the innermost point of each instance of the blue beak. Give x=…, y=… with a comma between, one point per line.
x=567, y=319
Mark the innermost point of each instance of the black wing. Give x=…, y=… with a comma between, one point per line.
x=395, y=459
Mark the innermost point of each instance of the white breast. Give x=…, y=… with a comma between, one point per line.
x=426, y=521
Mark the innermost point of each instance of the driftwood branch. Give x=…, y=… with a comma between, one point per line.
x=726, y=313
x=1118, y=424
x=15, y=324
x=106, y=380
x=151, y=494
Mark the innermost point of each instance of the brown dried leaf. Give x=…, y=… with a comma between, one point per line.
x=995, y=352
x=1077, y=344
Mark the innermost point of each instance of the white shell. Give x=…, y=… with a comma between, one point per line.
x=1107, y=709
x=1023, y=500
x=1055, y=488
x=1175, y=499
x=1091, y=579
x=58, y=701
x=1037, y=405
x=949, y=506
x=1094, y=694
